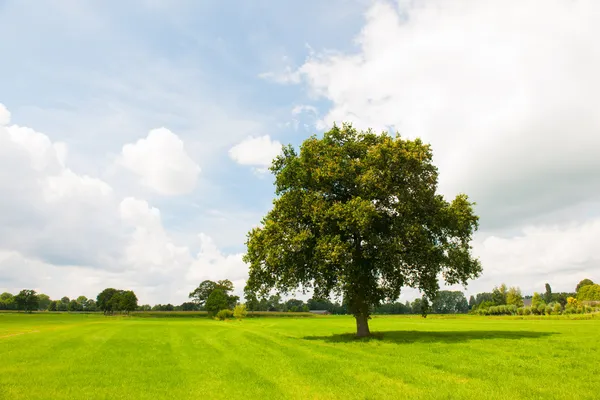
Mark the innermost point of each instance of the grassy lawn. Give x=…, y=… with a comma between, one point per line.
x=62, y=356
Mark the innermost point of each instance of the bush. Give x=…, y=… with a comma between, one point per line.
x=521, y=311
x=224, y=314
x=527, y=311
x=511, y=309
x=541, y=309
x=240, y=312
x=556, y=309
x=548, y=309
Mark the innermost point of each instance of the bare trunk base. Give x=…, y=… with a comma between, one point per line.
x=362, y=325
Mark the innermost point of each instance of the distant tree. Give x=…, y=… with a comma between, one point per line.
x=75, y=306
x=145, y=307
x=589, y=293
x=499, y=295
x=449, y=302
x=239, y=311
x=90, y=305
x=52, y=306
x=537, y=300
x=65, y=300
x=585, y=282
x=44, y=301
x=27, y=300
x=7, y=301
x=357, y=214
x=128, y=301
x=548, y=294
x=514, y=297
x=293, y=305
x=82, y=300
x=60, y=306
x=105, y=300
x=472, y=302
x=202, y=292
x=189, y=306
x=252, y=303
x=217, y=301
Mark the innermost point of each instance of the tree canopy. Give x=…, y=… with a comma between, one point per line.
x=201, y=294
x=584, y=282
x=358, y=214
x=27, y=300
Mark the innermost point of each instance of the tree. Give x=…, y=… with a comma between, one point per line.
x=472, y=302
x=499, y=295
x=357, y=214
x=585, y=282
x=189, y=306
x=202, y=292
x=27, y=300
x=105, y=302
x=514, y=297
x=127, y=301
x=449, y=302
x=52, y=306
x=7, y=301
x=252, y=302
x=589, y=293
x=65, y=300
x=75, y=306
x=548, y=294
x=44, y=301
x=90, y=305
x=217, y=301
x=537, y=300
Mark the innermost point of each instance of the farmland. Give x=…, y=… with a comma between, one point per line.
x=88, y=356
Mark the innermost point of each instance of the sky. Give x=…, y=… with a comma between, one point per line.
x=135, y=137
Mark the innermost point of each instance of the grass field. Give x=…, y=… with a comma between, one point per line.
x=63, y=356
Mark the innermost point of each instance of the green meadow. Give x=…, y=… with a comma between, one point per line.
x=87, y=356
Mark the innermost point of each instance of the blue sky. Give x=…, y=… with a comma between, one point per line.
x=90, y=78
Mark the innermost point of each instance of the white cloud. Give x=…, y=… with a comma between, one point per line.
x=508, y=96
x=161, y=162
x=65, y=233
x=4, y=115
x=304, y=108
x=256, y=151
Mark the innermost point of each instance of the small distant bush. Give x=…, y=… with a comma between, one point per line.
x=240, y=312
x=224, y=314
x=548, y=309
x=527, y=311
x=556, y=310
x=521, y=311
x=541, y=309
x=512, y=309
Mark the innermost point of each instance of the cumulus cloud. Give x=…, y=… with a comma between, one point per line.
x=161, y=162
x=256, y=151
x=509, y=99
x=65, y=233
x=508, y=96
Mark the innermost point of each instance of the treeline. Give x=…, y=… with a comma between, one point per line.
x=510, y=301
x=216, y=296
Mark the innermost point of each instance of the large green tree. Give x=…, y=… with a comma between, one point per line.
x=217, y=301
x=27, y=300
x=205, y=288
x=357, y=214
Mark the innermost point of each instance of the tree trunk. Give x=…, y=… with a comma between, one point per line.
x=362, y=325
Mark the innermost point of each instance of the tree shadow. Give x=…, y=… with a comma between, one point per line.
x=407, y=337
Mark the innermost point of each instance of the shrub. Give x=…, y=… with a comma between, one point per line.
x=511, y=309
x=541, y=309
x=557, y=308
x=548, y=309
x=521, y=311
x=527, y=311
x=239, y=311
x=224, y=314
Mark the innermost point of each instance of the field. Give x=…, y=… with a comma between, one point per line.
x=65, y=356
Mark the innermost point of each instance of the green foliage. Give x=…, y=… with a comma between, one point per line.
x=43, y=301
x=589, y=293
x=7, y=301
x=556, y=309
x=537, y=300
x=111, y=300
x=548, y=294
x=357, y=214
x=449, y=302
x=223, y=314
x=201, y=294
x=240, y=312
x=27, y=300
x=514, y=297
x=583, y=283
x=499, y=295
x=217, y=301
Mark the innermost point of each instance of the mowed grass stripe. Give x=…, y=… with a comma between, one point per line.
x=93, y=357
